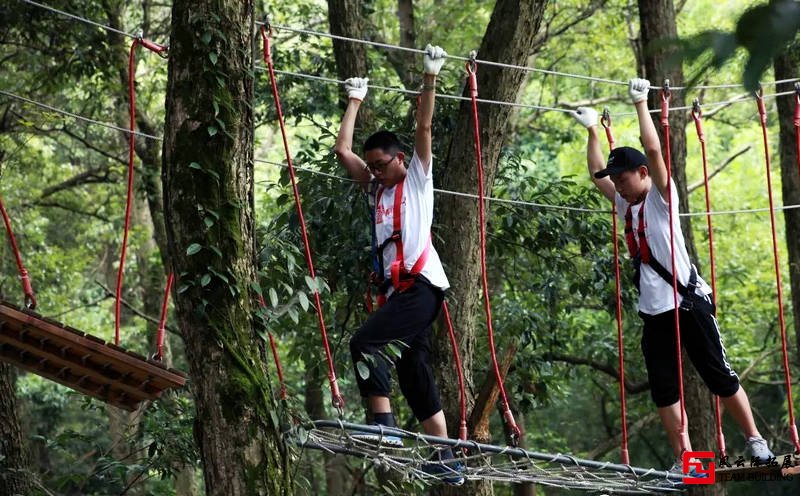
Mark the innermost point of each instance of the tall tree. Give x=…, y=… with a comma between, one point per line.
x=509, y=38
x=209, y=214
x=657, y=23
x=786, y=66
x=15, y=474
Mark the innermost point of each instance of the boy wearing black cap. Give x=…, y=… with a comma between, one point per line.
x=637, y=183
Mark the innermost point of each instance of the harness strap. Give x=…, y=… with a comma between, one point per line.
x=640, y=254
x=400, y=277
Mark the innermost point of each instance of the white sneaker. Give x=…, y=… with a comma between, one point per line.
x=756, y=447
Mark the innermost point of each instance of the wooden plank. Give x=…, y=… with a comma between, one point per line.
x=82, y=385
x=110, y=378
x=161, y=377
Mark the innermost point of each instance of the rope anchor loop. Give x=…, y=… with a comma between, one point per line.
x=696, y=111
x=605, y=120
x=472, y=64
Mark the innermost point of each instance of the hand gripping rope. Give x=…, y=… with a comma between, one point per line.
x=665, y=98
x=605, y=120
x=275, y=357
x=27, y=288
x=162, y=51
x=514, y=430
x=337, y=400
x=762, y=112
x=697, y=116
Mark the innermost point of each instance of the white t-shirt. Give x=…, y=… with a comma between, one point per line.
x=416, y=217
x=655, y=294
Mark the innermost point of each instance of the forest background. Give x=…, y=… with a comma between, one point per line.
x=551, y=269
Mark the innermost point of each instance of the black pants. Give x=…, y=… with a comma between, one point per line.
x=701, y=339
x=406, y=317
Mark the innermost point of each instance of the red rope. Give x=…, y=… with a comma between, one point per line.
x=514, y=430
x=27, y=288
x=665, y=97
x=162, y=323
x=275, y=357
x=697, y=115
x=762, y=112
x=337, y=399
x=462, y=395
x=624, y=455
x=161, y=50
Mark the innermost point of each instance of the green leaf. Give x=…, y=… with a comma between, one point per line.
x=183, y=287
x=195, y=165
x=363, y=370
x=216, y=107
x=212, y=130
x=208, y=221
x=273, y=297
x=303, y=300
x=394, y=350
x=193, y=248
x=255, y=287
x=205, y=280
x=206, y=38
x=312, y=284
x=293, y=315
x=213, y=58
x=216, y=251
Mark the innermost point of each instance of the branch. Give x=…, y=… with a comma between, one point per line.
x=613, y=442
x=632, y=388
x=91, y=176
x=135, y=310
x=719, y=169
x=68, y=208
x=584, y=14
x=591, y=102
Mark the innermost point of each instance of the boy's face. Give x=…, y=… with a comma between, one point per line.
x=632, y=185
x=387, y=168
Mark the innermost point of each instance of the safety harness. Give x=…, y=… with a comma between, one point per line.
x=640, y=254
x=401, y=278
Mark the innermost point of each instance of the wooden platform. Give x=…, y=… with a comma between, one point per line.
x=755, y=472
x=79, y=361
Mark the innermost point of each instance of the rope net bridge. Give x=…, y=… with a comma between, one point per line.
x=481, y=461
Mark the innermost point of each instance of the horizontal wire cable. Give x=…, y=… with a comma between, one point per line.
x=79, y=18
x=507, y=66
x=77, y=116
x=713, y=105
x=418, y=51
x=534, y=204
x=442, y=191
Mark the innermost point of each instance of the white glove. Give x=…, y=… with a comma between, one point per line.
x=433, y=60
x=586, y=116
x=638, y=89
x=356, y=87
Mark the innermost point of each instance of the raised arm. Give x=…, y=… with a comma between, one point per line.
x=594, y=154
x=356, y=91
x=434, y=58
x=656, y=167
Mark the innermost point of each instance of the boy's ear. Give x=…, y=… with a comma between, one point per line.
x=644, y=171
x=401, y=157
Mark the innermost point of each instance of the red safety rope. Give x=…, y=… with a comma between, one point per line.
x=514, y=430
x=27, y=288
x=275, y=357
x=697, y=115
x=762, y=112
x=605, y=120
x=337, y=399
x=462, y=395
x=162, y=323
x=161, y=50
x=665, y=97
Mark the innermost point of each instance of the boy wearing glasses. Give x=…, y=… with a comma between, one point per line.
x=412, y=278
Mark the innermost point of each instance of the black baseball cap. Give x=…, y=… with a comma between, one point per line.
x=622, y=159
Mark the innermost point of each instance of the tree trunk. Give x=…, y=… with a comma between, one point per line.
x=15, y=475
x=657, y=21
x=509, y=38
x=789, y=63
x=209, y=214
